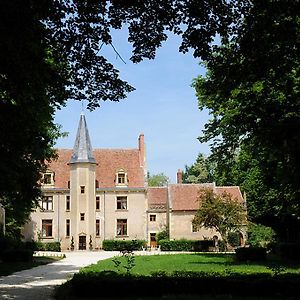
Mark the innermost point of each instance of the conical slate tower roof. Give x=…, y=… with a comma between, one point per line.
x=82, y=151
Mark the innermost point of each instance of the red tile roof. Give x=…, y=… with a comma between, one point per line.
x=157, y=195
x=109, y=161
x=185, y=196
x=234, y=191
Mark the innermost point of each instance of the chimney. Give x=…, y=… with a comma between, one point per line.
x=142, y=149
x=179, y=176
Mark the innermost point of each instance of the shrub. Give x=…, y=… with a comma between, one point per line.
x=20, y=255
x=234, y=239
x=51, y=246
x=250, y=254
x=163, y=235
x=192, y=283
x=260, y=235
x=185, y=245
x=289, y=250
x=121, y=245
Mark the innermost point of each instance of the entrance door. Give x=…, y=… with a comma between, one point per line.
x=153, y=243
x=82, y=243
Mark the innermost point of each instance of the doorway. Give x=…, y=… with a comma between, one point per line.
x=82, y=243
x=153, y=242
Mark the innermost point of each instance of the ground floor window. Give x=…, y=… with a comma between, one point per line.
x=97, y=227
x=121, y=227
x=67, y=227
x=46, y=228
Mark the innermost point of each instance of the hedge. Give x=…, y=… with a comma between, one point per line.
x=19, y=255
x=89, y=285
x=186, y=245
x=250, y=253
x=120, y=245
x=290, y=251
x=40, y=246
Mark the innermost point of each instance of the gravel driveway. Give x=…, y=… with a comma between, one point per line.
x=40, y=281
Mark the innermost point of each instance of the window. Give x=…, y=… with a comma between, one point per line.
x=96, y=184
x=122, y=202
x=67, y=203
x=69, y=184
x=195, y=228
x=46, y=228
x=67, y=228
x=121, y=177
x=47, y=178
x=152, y=218
x=121, y=227
x=47, y=203
x=81, y=216
x=97, y=203
x=97, y=227
x=82, y=188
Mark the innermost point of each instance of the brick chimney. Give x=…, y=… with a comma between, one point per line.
x=142, y=149
x=179, y=176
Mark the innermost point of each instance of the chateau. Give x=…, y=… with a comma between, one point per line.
x=96, y=194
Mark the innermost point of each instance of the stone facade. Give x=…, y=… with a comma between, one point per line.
x=92, y=195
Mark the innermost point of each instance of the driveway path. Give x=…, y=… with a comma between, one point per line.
x=40, y=281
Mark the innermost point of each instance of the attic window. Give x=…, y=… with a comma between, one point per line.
x=48, y=178
x=121, y=177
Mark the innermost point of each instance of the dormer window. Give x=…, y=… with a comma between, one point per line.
x=48, y=178
x=121, y=177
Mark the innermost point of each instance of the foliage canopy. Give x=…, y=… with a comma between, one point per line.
x=252, y=91
x=220, y=212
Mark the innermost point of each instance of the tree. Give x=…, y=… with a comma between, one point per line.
x=158, y=179
x=252, y=91
x=220, y=212
x=51, y=51
x=200, y=172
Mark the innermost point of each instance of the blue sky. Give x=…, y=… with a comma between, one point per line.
x=163, y=107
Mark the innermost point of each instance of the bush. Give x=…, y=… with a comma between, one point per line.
x=193, y=283
x=51, y=246
x=121, y=245
x=260, y=235
x=234, y=239
x=289, y=250
x=163, y=235
x=250, y=254
x=186, y=245
x=19, y=255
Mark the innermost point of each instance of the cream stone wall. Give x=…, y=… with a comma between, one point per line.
x=135, y=214
x=181, y=227
x=158, y=225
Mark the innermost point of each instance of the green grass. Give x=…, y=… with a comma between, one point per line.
x=8, y=268
x=209, y=263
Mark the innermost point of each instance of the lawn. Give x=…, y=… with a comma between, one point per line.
x=167, y=277
x=222, y=264
x=8, y=268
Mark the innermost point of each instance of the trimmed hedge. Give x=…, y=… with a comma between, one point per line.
x=251, y=254
x=40, y=246
x=290, y=251
x=20, y=255
x=121, y=245
x=89, y=284
x=186, y=245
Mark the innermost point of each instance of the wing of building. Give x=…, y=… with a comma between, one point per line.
x=96, y=194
